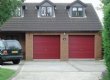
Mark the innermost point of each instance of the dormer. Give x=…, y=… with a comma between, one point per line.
x=76, y=9
x=19, y=11
x=46, y=9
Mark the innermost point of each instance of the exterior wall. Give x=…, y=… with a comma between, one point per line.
x=29, y=46
x=64, y=46
x=64, y=51
x=98, y=46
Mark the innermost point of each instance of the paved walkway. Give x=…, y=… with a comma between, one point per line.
x=61, y=70
x=10, y=65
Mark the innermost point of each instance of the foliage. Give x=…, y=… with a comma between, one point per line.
x=6, y=9
x=105, y=1
x=107, y=36
x=5, y=74
x=105, y=77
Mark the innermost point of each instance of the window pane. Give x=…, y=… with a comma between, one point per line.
x=80, y=9
x=74, y=13
x=80, y=13
x=74, y=9
x=49, y=11
x=17, y=12
x=43, y=11
x=13, y=44
x=2, y=45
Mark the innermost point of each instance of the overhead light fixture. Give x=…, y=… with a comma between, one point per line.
x=64, y=33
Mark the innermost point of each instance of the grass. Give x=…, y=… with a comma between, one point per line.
x=106, y=77
x=5, y=74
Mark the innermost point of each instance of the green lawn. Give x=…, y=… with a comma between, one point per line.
x=106, y=77
x=6, y=73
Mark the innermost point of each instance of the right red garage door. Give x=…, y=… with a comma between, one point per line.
x=81, y=46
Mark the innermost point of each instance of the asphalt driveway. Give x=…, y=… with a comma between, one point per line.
x=60, y=70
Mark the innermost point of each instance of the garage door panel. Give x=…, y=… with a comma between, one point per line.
x=43, y=54
x=81, y=46
x=46, y=57
x=46, y=47
x=49, y=49
x=46, y=52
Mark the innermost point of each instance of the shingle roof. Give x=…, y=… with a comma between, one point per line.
x=77, y=1
x=62, y=22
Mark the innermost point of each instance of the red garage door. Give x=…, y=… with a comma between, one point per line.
x=46, y=47
x=81, y=46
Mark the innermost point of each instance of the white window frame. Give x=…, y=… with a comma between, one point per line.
x=43, y=11
x=52, y=14
x=71, y=9
x=49, y=11
x=21, y=13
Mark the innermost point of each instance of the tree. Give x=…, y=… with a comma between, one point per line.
x=105, y=1
x=106, y=32
x=6, y=9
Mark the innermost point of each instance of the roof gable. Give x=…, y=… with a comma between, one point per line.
x=77, y=3
x=46, y=2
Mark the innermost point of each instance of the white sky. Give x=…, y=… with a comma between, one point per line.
x=96, y=4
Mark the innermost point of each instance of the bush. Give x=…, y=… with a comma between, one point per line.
x=105, y=76
x=107, y=37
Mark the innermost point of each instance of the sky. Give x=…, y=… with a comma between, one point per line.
x=96, y=3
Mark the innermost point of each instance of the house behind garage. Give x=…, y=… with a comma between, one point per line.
x=62, y=31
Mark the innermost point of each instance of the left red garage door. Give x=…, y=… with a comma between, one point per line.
x=46, y=47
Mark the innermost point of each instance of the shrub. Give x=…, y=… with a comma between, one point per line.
x=106, y=37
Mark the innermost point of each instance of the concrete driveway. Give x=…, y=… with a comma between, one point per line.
x=10, y=65
x=60, y=70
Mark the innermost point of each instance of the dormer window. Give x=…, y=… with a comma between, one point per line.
x=19, y=12
x=76, y=9
x=46, y=11
x=77, y=12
